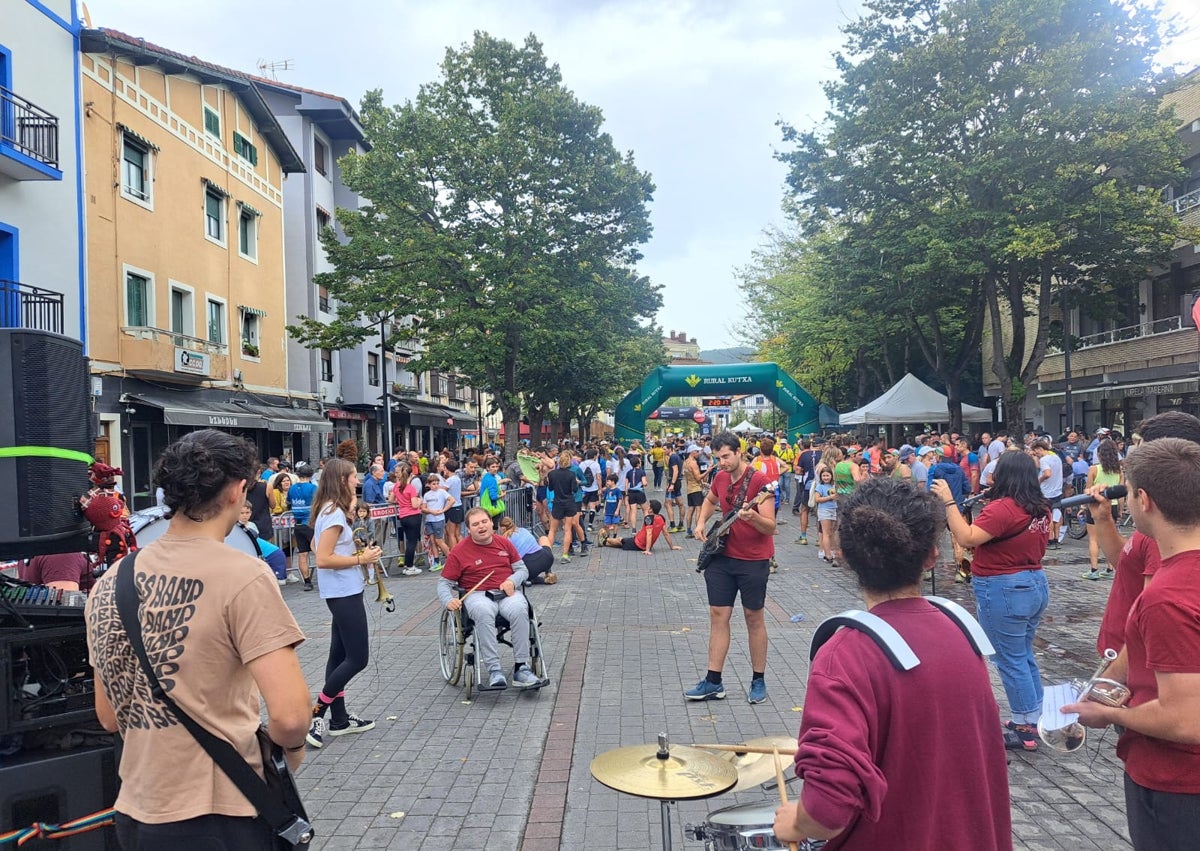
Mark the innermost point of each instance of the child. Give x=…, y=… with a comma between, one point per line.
x=612, y=507
x=826, y=500
x=652, y=526
x=635, y=489
x=360, y=528
x=271, y=554
x=436, y=502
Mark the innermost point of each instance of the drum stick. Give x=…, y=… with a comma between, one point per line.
x=782, y=789
x=736, y=748
x=477, y=584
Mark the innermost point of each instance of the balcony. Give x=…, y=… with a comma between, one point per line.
x=28, y=139
x=1187, y=202
x=23, y=306
x=1120, y=335
x=159, y=353
x=1163, y=344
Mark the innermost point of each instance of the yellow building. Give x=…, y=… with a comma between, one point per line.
x=185, y=167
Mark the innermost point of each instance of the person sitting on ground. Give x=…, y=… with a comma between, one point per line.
x=491, y=562
x=535, y=552
x=653, y=525
x=864, y=718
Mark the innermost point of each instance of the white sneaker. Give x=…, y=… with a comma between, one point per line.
x=281, y=582
x=316, y=733
x=411, y=571
x=525, y=678
x=820, y=554
x=293, y=579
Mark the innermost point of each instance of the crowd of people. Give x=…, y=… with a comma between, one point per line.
x=881, y=513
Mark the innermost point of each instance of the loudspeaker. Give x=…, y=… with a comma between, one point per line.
x=60, y=787
x=44, y=402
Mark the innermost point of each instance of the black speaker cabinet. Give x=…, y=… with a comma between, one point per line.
x=59, y=787
x=43, y=403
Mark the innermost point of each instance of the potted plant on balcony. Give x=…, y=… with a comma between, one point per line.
x=249, y=349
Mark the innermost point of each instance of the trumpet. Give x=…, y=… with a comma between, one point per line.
x=371, y=572
x=1099, y=689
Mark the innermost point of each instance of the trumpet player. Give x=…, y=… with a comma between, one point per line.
x=1160, y=745
x=341, y=581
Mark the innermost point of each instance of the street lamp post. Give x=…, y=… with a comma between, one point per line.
x=387, y=396
x=1066, y=309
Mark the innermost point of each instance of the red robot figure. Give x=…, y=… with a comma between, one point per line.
x=104, y=507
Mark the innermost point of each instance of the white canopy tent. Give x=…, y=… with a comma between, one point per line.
x=911, y=400
x=746, y=427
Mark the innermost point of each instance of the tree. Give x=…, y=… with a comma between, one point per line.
x=1015, y=145
x=487, y=197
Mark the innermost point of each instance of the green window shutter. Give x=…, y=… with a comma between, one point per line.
x=244, y=149
x=212, y=122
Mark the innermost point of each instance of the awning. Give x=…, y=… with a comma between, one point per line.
x=194, y=412
x=425, y=414
x=289, y=419
x=461, y=418
x=253, y=311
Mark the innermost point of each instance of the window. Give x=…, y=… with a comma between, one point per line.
x=322, y=220
x=135, y=170
x=323, y=299
x=249, y=334
x=319, y=155
x=139, y=300
x=326, y=365
x=244, y=149
x=373, y=369
x=248, y=234
x=216, y=322
x=212, y=122
x=214, y=215
x=183, y=319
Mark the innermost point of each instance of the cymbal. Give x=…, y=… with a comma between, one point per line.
x=755, y=769
x=686, y=773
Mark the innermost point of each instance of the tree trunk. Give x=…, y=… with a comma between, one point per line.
x=954, y=402
x=536, y=417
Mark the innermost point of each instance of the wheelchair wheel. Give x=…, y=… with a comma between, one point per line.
x=537, y=662
x=450, y=646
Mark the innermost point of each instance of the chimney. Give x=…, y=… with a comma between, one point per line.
x=693, y=341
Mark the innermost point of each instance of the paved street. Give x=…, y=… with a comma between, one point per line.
x=624, y=635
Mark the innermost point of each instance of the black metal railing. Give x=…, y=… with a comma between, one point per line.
x=23, y=306
x=28, y=128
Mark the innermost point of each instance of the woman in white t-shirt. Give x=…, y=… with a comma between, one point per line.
x=341, y=581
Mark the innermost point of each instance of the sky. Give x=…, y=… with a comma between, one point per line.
x=694, y=89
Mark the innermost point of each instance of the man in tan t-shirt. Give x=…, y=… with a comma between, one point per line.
x=693, y=483
x=220, y=637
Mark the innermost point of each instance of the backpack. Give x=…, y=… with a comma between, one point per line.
x=589, y=478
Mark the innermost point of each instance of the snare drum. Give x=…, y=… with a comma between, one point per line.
x=747, y=827
x=150, y=525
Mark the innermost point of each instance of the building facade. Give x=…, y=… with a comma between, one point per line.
x=42, y=276
x=1148, y=360
x=185, y=171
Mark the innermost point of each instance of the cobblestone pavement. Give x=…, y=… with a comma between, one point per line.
x=625, y=634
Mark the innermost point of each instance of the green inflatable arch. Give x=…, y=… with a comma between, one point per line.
x=727, y=379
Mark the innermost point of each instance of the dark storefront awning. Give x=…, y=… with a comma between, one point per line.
x=461, y=418
x=423, y=414
x=195, y=412
x=290, y=420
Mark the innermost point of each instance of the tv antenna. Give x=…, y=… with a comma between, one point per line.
x=272, y=69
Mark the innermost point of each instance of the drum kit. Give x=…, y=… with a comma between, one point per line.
x=150, y=524
x=669, y=773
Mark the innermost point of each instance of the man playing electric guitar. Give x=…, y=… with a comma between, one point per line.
x=743, y=567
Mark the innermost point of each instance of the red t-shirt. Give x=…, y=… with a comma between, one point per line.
x=1163, y=634
x=469, y=562
x=60, y=567
x=653, y=524
x=744, y=541
x=1139, y=560
x=1018, y=541
x=864, y=723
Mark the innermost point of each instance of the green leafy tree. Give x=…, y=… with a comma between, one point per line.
x=1001, y=149
x=486, y=197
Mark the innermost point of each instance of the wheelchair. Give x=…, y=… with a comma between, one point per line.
x=458, y=649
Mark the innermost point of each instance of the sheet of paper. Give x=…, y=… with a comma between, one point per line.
x=1053, y=699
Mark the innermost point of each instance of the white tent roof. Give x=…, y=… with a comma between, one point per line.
x=745, y=426
x=911, y=400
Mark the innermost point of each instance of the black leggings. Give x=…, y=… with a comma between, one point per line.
x=350, y=647
x=204, y=833
x=409, y=531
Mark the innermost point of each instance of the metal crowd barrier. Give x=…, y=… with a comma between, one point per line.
x=281, y=527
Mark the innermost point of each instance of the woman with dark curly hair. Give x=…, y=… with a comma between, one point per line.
x=341, y=583
x=1009, y=537
x=895, y=758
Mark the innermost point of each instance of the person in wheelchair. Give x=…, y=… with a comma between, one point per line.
x=491, y=561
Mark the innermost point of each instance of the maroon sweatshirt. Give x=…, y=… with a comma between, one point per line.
x=905, y=759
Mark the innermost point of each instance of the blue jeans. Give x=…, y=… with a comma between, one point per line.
x=785, y=487
x=1009, y=608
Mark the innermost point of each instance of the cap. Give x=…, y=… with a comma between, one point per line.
x=925, y=450
x=692, y=447
x=1104, y=431
x=892, y=452
x=906, y=453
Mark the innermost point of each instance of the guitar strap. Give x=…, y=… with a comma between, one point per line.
x=743, y=488
x=269, y=806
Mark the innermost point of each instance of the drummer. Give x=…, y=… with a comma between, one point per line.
x=891, y=758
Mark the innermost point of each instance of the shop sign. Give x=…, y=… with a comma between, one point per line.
x=338, y=414
x=192, y=363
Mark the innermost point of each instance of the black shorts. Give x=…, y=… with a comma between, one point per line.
x=695, y=500
x=675, y=492
x=591, y=496
x=455, y=514
x=1089, y=520
x=302, y=535
x=628, y=544
x=538, y=562
x=636, y=497
x=725, y=577
x=564, y=508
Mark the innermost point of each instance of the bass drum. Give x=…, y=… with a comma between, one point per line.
x=150, y=524
x=742, y=828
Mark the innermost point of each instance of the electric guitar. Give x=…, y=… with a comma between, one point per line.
x=714, y=538
x=279, y=779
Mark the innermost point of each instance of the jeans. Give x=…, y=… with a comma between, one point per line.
x=1009, y=608
x=785, y=487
